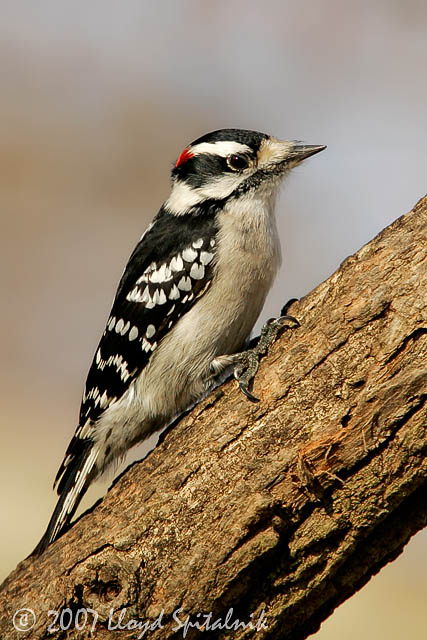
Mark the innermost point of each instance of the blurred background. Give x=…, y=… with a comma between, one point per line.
x=98, y=99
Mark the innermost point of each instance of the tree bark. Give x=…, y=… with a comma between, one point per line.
x=281, y=509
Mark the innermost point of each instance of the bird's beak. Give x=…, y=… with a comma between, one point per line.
x=285, y=153
x=300, y=152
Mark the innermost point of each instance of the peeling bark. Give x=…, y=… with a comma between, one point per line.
x=288, y=506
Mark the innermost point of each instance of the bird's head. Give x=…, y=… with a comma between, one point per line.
x=228, y=163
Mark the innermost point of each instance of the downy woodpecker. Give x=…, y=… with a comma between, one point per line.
x=185, y=306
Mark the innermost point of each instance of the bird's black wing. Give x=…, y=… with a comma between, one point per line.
x=170, y=268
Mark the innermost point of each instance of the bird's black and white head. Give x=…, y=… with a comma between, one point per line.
x=228, y=163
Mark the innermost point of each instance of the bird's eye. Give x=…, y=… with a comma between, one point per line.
x=237, y=162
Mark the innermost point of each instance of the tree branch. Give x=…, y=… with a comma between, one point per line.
x=287, y=506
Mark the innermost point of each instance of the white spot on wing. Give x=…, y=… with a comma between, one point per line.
x=154, y=277
x=104, y=400
x=176, y=264
x=133, y=334
x=189, y=254
x=206, y=257
x=111, y=323
x=174, y=293
x=197, y=244
x=151, y=330
x=197, y=271
x=184, y=284
x=159, y=297
x=119, y=325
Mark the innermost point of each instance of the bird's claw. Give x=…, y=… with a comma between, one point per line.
x=244, y=389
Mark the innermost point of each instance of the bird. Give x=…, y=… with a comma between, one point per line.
x=185, y=306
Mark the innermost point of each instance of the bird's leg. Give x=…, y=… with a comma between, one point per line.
x=247, y=362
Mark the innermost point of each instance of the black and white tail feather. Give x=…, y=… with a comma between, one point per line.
x=71, y=491
x=186, y=303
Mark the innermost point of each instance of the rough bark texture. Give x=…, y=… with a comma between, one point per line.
x=289, y=505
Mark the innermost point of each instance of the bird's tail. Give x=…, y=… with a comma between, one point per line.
x=73, y=485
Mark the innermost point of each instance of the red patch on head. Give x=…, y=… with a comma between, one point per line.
x=185, y=155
